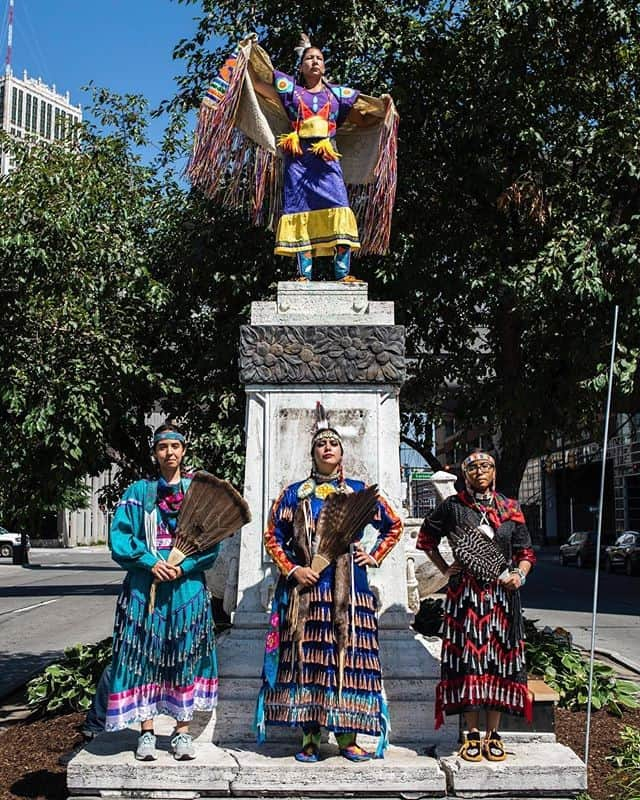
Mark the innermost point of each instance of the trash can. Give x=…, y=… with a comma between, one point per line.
x=20, y=554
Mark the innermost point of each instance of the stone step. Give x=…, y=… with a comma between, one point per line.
x=107, y=767
x=535, y=769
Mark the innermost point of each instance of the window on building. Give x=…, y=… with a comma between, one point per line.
x=56, y=126
x=34, y=115
x=48, y=134
x=1, y=103
x=20, y=101
x=27, y=116
x=43, y=117
x=14, y=106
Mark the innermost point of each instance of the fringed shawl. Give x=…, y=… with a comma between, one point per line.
x=236, y=161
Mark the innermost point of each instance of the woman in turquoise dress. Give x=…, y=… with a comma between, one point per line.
x=164, y=661
x=309, y=695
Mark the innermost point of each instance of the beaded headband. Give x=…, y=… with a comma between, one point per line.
x=471, y=459
x=326, y=433
x=160, y=437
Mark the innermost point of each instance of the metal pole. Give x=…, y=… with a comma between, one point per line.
x=571, y=513
x=599, y=534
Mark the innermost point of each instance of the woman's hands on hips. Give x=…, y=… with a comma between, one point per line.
x=452, y=569
x=306, y=576
x=162, y=571
x=362, y=558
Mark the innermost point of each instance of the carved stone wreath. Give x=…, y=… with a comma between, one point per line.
x=317, y=354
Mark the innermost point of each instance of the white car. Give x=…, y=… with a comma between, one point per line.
x=8, y=541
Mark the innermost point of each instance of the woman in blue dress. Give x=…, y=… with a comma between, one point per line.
x=308, y=694
x=164, y=661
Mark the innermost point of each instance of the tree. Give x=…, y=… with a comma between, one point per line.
x=75, y=243
x=516, y=221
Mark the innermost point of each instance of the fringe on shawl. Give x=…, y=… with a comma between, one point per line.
x=230, y=168
x=372, y=203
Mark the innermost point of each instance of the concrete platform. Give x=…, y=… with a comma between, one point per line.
x=107, y=768
x=534, y=769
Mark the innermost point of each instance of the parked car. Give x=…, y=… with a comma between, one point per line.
x=579, y=548
x=8, y=541
x=625, y=553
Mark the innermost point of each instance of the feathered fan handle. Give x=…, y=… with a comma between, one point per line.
x=175, y=558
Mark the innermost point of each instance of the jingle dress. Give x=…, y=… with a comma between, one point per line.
x=163, y=662
x=283, y=700
x=483, y=655
x=316, y=214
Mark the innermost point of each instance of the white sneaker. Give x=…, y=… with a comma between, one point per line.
x=182, y=746
x=146, y=750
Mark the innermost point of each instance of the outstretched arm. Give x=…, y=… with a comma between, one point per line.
x=362, y=120
x=262, y=88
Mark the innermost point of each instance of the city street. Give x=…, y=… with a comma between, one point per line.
x=68, y=596
x=563, y=596
x=65, y=597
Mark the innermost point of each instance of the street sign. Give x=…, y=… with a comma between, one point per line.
x=421, y=475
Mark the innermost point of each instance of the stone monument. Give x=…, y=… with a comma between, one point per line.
x=323, y=342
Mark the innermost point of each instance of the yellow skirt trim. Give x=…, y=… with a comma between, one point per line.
x=318, y=231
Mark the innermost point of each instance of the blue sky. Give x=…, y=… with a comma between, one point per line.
x=123, y=45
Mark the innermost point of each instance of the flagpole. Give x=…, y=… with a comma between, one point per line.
x=596, y=580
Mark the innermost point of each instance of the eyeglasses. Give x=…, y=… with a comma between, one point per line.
x=481, y=467
x=324, y=442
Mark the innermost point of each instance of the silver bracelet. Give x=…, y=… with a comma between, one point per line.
x=522, y=574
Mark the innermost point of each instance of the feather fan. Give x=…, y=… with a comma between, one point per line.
x=476, y=553
x=212, y=510
x=341, y=518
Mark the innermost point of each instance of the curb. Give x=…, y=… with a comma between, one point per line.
x=618, y=658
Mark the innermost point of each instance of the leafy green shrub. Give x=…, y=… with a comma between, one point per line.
x=69, y=685
x=626, y=759
x=551, y=655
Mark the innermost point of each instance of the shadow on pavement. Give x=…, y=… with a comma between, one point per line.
x=17, y=668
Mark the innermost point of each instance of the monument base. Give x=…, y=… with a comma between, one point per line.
x=107, y=768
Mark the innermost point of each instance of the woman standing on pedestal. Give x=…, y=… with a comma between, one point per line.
x=316, y=219
x=308, y=694
x=242, y=158
x=483, y=657
x=164, y=661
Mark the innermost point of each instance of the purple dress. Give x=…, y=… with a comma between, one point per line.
x=316, y=214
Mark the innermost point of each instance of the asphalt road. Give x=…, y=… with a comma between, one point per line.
x=68, y=596
x=64, y=597
x=563, y=596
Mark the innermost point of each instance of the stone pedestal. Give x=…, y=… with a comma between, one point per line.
x=323, y=342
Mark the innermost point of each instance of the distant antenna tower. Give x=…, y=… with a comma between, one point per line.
x=7, y=62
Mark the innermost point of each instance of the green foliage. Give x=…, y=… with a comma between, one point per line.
x=516, y=225
x=626, y=759
x=75, y=259
x=516, y=228
x=551, y=655
x=70, y=684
